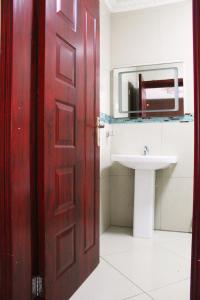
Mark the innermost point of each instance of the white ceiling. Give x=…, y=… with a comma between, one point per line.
x=126, y=5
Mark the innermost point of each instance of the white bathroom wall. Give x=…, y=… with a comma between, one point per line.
x=155, y=35
x=105, y=66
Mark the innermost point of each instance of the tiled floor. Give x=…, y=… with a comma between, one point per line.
x=139, y=269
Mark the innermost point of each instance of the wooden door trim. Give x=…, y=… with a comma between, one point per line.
x=15, y=204
x=20, y=143
x=195, y=274
x=5, y=92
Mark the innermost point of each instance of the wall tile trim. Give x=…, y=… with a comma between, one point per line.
x=110, y=120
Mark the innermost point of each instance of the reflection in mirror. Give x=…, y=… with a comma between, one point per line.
x=149, y=91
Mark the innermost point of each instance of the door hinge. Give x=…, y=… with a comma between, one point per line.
x=37, y=286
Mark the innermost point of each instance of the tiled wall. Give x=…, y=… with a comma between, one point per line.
x=105, y=212
x=174, y=186
x=105, y=108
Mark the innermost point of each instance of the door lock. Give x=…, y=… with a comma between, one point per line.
x=99, y=126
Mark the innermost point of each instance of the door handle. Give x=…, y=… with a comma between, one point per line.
x=99, y=126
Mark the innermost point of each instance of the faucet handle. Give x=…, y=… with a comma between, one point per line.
x=146, y=150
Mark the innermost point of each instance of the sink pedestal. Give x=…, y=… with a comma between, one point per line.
x=144, y=200
x=145, y=167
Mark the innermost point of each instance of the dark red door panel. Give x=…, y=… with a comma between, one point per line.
x=68, y=155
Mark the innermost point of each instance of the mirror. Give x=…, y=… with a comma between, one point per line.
x=149, y=91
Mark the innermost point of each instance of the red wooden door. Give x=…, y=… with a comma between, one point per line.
x=68, y=171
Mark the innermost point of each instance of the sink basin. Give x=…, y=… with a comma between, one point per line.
x=144, y=188
x=144, y=162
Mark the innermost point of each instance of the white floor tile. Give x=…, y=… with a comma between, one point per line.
x=105, y=283
x=159, y=266
x=167, y=236
x=151, y=266
x=181, y=247
x=119, y=239
x=177, y=242
x=179, y=291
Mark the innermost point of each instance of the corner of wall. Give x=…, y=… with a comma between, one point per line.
x=105, y=58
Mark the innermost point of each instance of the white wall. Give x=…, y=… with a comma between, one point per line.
x=105, y=66
x=155, y=35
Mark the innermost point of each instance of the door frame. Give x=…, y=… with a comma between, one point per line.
x=15, y=208
x=195, y=266
x=15, y=189
x=5, y=77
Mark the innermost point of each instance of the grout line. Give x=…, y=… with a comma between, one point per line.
x=154, y=290
x=187, y=233
x=170, y=284
x=134, y=296
x=182, y=257
x=177, y=254
x=108, y=255
x=142, y=294
x=128, y=279
x=105, y=256
x=160, y=244
x=145, y=292
x=130, y=298
x=172, y=231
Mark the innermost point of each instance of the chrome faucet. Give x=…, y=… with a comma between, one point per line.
x=146, y=150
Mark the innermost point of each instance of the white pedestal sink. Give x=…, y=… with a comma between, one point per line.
x=144, y=200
